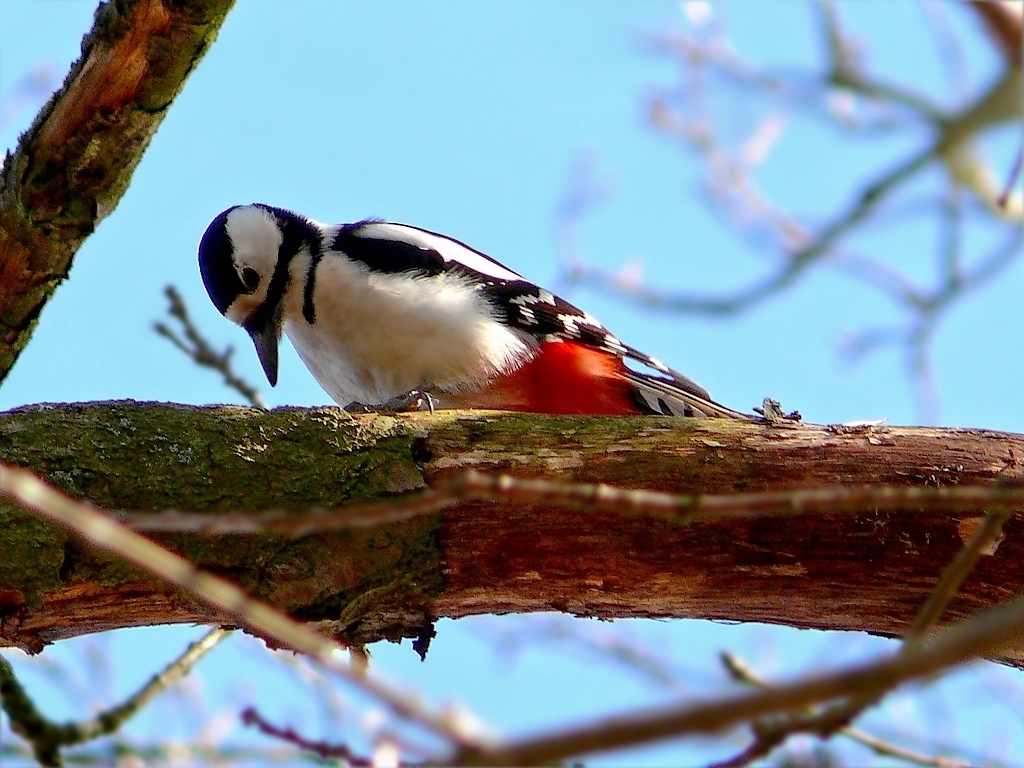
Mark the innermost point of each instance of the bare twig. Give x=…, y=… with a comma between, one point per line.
x=930, y=307
x=1011, y=180
x=980, y=636
x=321, y=749
x=766, y=742
x=687, y=114
x=48, y=738
x=605, y=643
x=195, y=346
x=1004, y=22
x=770, y=737
x=954, y=130
x=949, y=49
x=683, y=509
x=987, y=532
x=771, y=734
x=104, y=531
x=984, y=536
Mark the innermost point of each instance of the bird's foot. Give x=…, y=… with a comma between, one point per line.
x=414, y=400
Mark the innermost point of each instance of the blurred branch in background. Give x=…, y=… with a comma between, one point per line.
x=828, y=721
x=771, y=735
x=698, y=114
x=48, y=738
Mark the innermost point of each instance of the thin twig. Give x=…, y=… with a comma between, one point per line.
x=196, y=347
x=986, y=634
x=607, y=644
x=686, y=114
x=929, y=307
x=836, y=719
x=47, y=738
x=1004, y=22
x=770, y=735
x=223, y=597
x=683, y=509
x=948, y=48
x=321, y=749
x=953, y=577
x=770, y=738
x=762, y=746
x=793, y=268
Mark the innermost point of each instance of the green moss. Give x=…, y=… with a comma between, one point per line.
x=31, y=553
x=136, y=456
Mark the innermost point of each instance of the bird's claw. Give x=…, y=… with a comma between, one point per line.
x=414, y=400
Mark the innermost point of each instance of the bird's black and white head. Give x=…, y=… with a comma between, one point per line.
x=244, y=258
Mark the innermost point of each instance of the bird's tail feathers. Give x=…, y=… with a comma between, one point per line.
x=660, y=396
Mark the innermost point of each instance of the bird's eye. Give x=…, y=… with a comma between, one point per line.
x=250, y=279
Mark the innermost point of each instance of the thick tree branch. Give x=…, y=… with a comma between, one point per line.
x=216, y=594
x=73, y=165
x=869, y=570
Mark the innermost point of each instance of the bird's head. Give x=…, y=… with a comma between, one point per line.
x=244, y=258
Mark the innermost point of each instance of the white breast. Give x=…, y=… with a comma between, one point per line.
x=378, y=336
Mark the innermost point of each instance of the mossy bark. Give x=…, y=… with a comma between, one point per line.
x=867, y=571
x=130, y=456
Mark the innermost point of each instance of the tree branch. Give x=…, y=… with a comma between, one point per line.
x=98, y=528
x=73, y=165
x=866, y=570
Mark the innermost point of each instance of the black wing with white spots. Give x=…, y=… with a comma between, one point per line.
x=541, y=313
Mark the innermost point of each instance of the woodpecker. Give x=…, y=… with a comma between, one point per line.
x=378, y=310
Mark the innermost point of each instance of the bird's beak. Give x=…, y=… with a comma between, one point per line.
x=266, y=341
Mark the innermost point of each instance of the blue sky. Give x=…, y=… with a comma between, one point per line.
x=466, y=118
